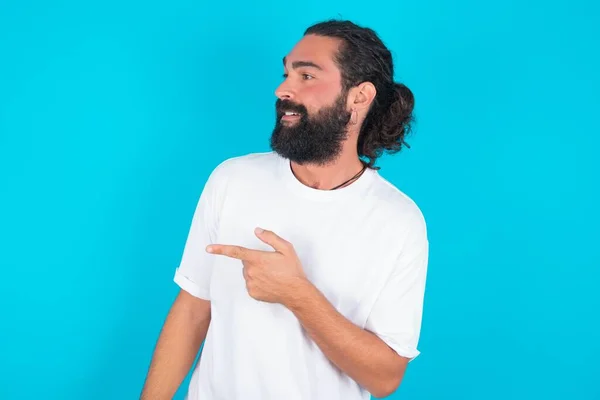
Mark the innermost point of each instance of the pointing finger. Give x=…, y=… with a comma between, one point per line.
x=238, y=252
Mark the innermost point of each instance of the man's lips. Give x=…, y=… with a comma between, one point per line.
x=290, y=116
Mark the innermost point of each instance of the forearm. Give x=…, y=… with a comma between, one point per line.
x=177, y=346
x=357, y=352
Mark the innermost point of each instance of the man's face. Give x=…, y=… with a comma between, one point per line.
x=311, y=109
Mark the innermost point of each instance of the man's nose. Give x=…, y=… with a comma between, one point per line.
x=285, y=92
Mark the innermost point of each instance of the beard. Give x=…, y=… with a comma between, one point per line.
x=316, y=139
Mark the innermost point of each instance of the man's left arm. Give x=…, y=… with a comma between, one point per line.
x=360, y=354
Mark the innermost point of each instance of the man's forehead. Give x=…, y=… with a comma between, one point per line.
x=315, y=49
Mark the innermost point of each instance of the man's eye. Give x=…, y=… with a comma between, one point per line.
x=305, y=77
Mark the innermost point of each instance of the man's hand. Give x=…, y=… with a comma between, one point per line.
x=271, y=276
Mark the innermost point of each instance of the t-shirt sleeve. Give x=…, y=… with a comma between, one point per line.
x=397, y=313
x=195, y=268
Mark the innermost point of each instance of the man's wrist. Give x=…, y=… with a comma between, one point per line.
x=301, y=291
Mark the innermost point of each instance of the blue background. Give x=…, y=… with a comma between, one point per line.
x=113, y=113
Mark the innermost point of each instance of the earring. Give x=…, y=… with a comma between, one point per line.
x=353, y=117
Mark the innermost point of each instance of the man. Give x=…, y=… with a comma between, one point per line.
x=304, y=270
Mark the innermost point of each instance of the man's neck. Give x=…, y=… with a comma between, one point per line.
x=325, y=177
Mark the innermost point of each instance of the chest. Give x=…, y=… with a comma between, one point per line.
x=343, y=251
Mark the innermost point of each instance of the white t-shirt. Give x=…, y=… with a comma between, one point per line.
x=364, y=246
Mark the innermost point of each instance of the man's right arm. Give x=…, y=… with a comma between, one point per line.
x=182, y=334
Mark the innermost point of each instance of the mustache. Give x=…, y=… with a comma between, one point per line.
x=281, y=106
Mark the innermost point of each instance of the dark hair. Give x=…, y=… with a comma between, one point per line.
x=363, y=57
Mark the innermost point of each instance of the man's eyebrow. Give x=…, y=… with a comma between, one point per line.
x=299, y=64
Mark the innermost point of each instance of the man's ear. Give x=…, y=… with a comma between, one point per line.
x=362, y=96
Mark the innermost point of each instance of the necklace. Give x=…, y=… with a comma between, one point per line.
x=353, y=178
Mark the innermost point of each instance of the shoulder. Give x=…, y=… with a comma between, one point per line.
x=245, y=166
x=235, y=176
x=402, y=220
x=397, y=206
x=398, y=218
